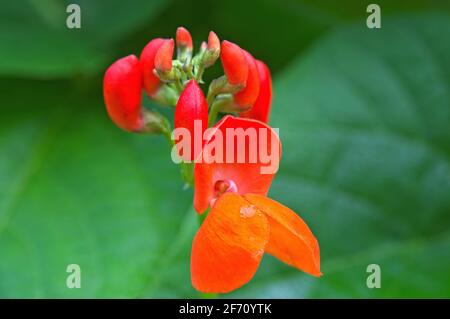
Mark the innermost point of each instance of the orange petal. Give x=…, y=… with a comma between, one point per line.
x=290, y=238
x=229, y=245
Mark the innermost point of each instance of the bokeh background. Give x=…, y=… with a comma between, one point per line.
x=364, y=117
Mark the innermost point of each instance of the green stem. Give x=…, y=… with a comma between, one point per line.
x=199, y=73
x=186, y=169
x=215, y=108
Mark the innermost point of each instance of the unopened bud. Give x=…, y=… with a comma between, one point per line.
x=184, y=45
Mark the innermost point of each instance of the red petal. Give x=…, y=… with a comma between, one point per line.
x=229, y=245
x=192, y=106
x=164, y=55
x=247, y=175
x=122, y=86
x=261, y=108
x=247, y=96
x=234, y=63
x=151, y=81
x=290, y=238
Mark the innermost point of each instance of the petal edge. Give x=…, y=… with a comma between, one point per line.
x=291, y=240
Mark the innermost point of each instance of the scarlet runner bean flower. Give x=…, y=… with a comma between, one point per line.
x=242, y=223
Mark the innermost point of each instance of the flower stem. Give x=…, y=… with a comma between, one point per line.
x=199, y=73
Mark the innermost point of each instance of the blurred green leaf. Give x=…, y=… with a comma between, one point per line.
x=108, y=22
x=35, y=41
x=364, y=119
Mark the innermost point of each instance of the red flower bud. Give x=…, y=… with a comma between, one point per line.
x=183, y=38
x=191, y=106
x=213, y=42
x=122, y=85
x=163, y=58
x=247, y=96
x=261, y=108
x=234, y=63
x=151, y=81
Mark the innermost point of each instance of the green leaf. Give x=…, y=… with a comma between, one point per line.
x=35, y=41
x=364, y=119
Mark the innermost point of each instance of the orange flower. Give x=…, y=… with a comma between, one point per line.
x=243, y=223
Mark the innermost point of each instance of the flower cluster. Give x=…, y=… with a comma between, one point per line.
x=242, y=223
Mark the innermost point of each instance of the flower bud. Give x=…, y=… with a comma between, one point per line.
x=212, y=50
x=261, y=108
x=234, y=63
x=191, y=112
x=213, y=42
x=150, y=81
x=184, y=39
x=122, y=86
x=184, y=45
x=203, y=46
x=163, y=57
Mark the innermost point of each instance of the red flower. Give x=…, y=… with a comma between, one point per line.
x=191, y=106
x=243, y=223
x=261, y=108
x=150, y=81
x=122, y=85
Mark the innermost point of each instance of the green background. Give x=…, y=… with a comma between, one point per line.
x=364, y=118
